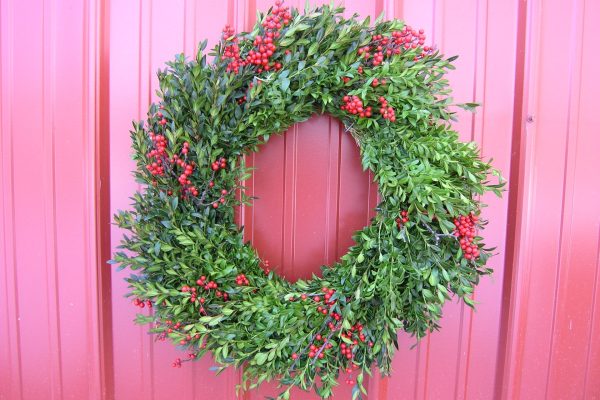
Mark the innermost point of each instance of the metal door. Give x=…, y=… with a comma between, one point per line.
x=73, y=75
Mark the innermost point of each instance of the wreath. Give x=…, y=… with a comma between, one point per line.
x=210, y=292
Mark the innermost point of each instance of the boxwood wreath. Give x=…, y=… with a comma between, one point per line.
x=211, y=293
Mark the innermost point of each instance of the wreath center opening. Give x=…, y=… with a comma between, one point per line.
x=311, y=195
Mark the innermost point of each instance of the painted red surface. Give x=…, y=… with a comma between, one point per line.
x=73, y=75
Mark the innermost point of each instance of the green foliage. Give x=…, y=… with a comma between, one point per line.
x=392, y=278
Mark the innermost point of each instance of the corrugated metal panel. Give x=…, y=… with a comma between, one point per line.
x=48, y=285
x=533, y=65
x=554, y=349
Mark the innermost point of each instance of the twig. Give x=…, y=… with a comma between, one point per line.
x=323, y=346
x=437, y=236
x=327, y=320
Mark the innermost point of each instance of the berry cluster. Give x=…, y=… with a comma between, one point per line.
x=206, y=285
x=158, y=153
x=221, y=200
x=232, y=50
x=264, y=45
x=465, y=231
x=349, y=370
x=264, y=48
x=241, y=280
x=402, y=219
x=221, y=163
x=318, y=347
x=188, y=338
x=141, y=303
x=329, y=303
x=266, y=266
x=412, y=39
x=187, y=171
x=280, y=16
x=376, y=82
x=353, y=335
x=382, y=46
x=354, y=105
x=163, y=120
x=184, y=180
x=171, y=326
x=386, y=111
x=351, y=338
x=160, y=162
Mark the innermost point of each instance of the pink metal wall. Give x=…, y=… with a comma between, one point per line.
x=74, y=74
x=553, y=348
x=49, y=282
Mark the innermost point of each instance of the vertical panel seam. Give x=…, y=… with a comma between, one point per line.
x=184, y=31
x=597, y=269
x=459, y=352
x=417, y=367
x=15, y=298
x=140, y=29
x=475, y=69
x=195, y=35
x=339, y=191
x=507, y=385
x=88, y=198
x=471, y=314
x=426, y=372
x=12, y=194
x=563, y=200
x=283, y=203
x=328, y=195
x=294, y=198
x=484, y=79
x=49, y=202
x=94, y=318
x=593, y=314
x=100, y=159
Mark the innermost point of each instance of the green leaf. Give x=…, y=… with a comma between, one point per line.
x=260, y=358
x=360, y=258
